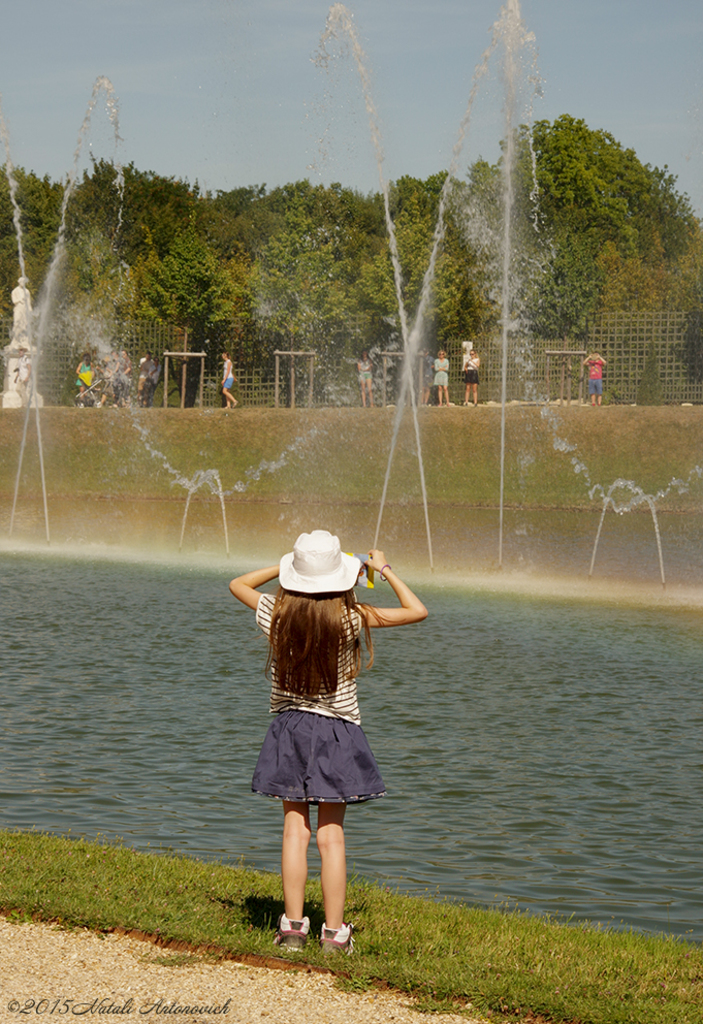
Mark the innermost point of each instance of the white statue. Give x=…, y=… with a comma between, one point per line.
x=18, y=354
x=22, y=301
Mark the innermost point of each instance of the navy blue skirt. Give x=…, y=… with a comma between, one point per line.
x=316, y=759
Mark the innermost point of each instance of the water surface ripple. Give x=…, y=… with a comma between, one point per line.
x=540, y=753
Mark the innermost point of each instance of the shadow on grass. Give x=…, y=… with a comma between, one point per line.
x=264, y=911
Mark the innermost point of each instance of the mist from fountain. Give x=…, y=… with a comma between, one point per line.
x=615, y=494
x=16, y=220
x=47, y=294
x=211, y=477
x=339, y=21
x=508, y=31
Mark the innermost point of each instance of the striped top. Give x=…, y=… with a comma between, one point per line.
x=340, y=704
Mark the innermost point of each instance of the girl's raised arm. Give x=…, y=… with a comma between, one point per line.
x=411, y=607
x=244, y=587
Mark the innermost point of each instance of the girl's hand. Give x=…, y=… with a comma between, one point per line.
x=411, y=608
x=376, y=560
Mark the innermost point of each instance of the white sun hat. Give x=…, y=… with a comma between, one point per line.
x=317, y=565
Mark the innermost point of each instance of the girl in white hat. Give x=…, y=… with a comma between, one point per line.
x=315, y=751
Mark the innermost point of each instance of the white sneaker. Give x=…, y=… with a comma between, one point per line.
x=332, y=939
x=291, y=934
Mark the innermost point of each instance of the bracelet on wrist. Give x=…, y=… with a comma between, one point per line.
x=386, y=566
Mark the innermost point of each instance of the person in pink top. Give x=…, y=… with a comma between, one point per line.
x=595, y=364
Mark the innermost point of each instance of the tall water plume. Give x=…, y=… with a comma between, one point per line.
x=508, y=31
x=46, y=300
x=511, y=31
x=340, y=23
x=16, y=220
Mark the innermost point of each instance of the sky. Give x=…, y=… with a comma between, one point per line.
x=227, y=92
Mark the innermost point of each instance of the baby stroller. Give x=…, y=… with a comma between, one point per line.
x=90, y=398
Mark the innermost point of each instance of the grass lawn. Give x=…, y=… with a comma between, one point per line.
x=341, y=454
x=449, y=955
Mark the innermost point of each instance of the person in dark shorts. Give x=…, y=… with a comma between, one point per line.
x=315, y=751
x=471, y=366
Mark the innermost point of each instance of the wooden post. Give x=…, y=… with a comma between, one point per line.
x=184, y=371
x=568, y=374
x=202, y=380
x=565, y=357
x=385, y=377
x=165, y=380
x=307, y=355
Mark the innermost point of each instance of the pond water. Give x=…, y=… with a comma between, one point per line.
x=536, y=751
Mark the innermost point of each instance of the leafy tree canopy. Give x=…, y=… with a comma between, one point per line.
x=589, y=183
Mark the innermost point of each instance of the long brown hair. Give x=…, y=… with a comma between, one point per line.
x=310, y=635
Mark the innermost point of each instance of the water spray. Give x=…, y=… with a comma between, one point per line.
x=46, y=298
x=614, y=496
x=509, y=30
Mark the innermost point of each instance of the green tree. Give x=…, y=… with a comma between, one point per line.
x=566, y=292
x=649, y=389
x=146, y=212
x=309, y=272
x=39, y=201
x=187, y=287
x=613, y=228
x=457, y=306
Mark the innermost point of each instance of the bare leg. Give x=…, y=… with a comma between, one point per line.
x=294, y=857
x=330, y=843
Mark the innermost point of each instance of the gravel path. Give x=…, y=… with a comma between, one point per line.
x=50, y=973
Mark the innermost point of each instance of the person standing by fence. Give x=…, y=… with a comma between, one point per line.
x=595, y=363
x=365, y=370
x=471, y=365
x=441, y=377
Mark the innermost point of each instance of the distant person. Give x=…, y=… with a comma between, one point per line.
x=146, y=365
x=315, y=751
x=108, y=371
x=84, y=374
x=471, y=365
x=441, y=377
x=595, y=363
x=154, y=377
x=122, y=381
x=228, y=379
x=427, y=365
x=365, y=370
